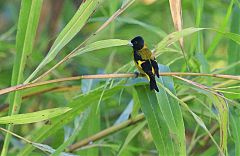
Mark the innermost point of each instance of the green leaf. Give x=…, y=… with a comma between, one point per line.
x=125, y=114
x=222, y=106
x=195, y=116
x=78, y=105
x=223, y=26
x=234, y=128
x=164, y=117
x=49, y=149
x=233, y=49
x=157, y=124
x=26, y=31
x=148, y=27
x=130, y=136
x=171, y=110
x=175, y=36
x=74, y=134
x=27, y=26
x=33, y=117
x=91, y=127
x=101, y=45
x=229, y=35
x=70, y=30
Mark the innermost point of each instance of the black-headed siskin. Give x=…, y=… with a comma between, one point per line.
x=145, y=61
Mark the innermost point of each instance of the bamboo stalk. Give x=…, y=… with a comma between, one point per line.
x=106, y=132
x=107, y=76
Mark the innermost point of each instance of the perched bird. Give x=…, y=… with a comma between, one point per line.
x=145, y=61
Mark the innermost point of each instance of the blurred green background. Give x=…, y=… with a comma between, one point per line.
x=206, y=51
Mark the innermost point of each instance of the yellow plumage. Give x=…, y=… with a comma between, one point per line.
x=145, y=61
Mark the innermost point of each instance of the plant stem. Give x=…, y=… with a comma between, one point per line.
x=106, y=132
x=4, y=107
x=106, y=76
x=18, y=136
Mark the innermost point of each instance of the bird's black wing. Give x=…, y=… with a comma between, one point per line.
x=148, y=69
x=155, y=67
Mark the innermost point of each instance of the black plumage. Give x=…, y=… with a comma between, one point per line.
x=145, y=61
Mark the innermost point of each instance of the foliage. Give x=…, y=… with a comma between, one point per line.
x=107, y=111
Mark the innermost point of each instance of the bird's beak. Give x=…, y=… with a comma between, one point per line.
x=130, y=43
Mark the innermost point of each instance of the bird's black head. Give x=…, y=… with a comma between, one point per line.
x=137, y=43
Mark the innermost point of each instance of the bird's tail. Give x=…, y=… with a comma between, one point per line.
x=153, y=84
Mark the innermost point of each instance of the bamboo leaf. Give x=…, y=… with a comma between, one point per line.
x=157, y=125
x=164, y=117
x=172, y=111
x=222, y=106
x=148, y=27
x=125, y=114
x=233, y=48
x=130, y=136
x=49, y=149
x=195, y=116
x=33, y=117
x=234, y=128
x=91, y=127
x=175, y=36
x=74, y=134
x=229, y=35
x=101, y=45
x=222, y=28
x=70, y=30
x=27, y=26
x=78, y=105
x=28, y=22
x=176, y=12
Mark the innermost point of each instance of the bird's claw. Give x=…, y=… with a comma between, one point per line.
x=136, y=74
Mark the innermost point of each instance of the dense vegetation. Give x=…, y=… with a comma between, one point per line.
x=67, y=82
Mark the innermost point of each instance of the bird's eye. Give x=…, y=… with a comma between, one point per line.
x=135, y=42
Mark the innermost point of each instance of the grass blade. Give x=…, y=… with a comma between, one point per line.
x=33, y=117
x=91, y=127
x=195, y=116
x=222, y=28
x=101, y=45
x=175, y=36
x=233, y=36
x=164, y=117
x=171, y=111
x=222, y=106
x=176, y=12
x=78, y=105
x=157, y=125
x=233, y=49
x=49, y=149
x=70, y=30
x=74, y=135
x=130, y=136
x=234, y=128
x=27, y=26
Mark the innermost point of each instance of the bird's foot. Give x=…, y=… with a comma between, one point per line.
x=136, y=74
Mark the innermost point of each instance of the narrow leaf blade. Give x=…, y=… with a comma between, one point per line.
x=71, y=29
x=34, y=117
x=27, y=26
